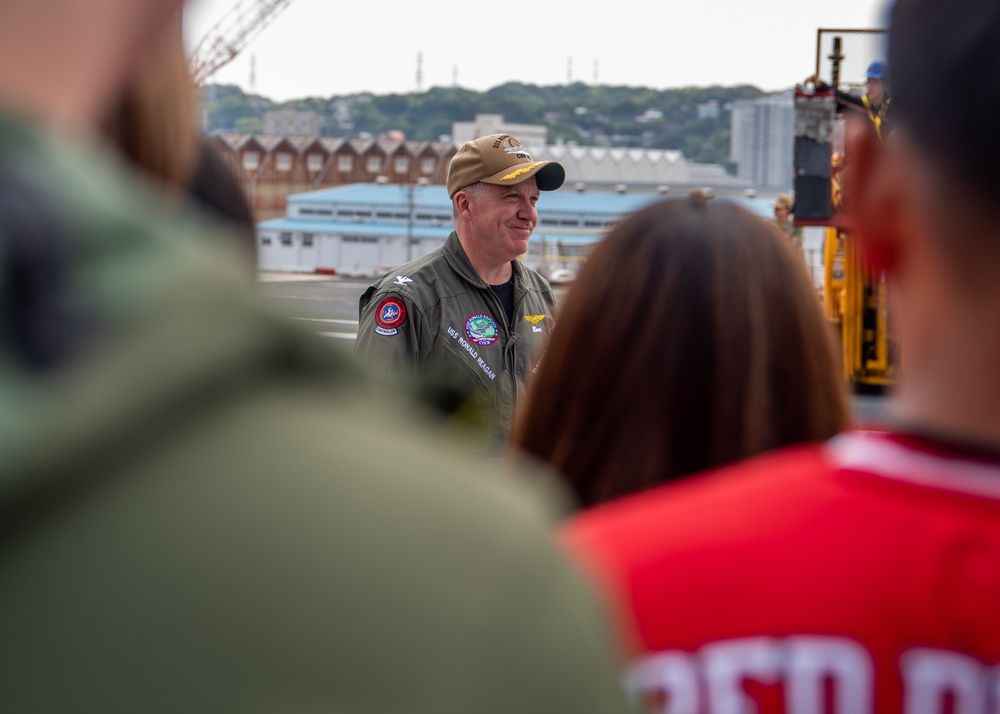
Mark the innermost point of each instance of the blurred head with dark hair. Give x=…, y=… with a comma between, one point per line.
x=153, y=124
x=944, y=60
x=925, y=205
x=691, y=338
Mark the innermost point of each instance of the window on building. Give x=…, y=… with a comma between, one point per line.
x=345, y=162
x=307, y=240
x=402, y=164
x=286, y=239
x=427, y=165
x=314, y=162
x=374, y=164
x=265, y=241
x=251, y=160
x=283, y=161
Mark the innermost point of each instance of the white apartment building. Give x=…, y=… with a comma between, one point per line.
x=763, y=140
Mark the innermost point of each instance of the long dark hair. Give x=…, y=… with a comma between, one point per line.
x=691, y=338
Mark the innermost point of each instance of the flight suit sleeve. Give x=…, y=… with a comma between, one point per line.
x=389, y=340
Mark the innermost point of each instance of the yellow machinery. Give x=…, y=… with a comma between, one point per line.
x=855, y=296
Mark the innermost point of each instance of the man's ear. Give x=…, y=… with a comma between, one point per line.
x=461, y=203
x=877, y=197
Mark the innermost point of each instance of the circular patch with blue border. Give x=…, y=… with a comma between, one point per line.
x=482, y=330
x=391, y=314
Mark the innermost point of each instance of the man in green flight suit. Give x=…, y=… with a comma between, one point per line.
x=205, y=508
x=470, y=316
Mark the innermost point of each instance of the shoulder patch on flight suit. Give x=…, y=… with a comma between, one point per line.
x=391, y=313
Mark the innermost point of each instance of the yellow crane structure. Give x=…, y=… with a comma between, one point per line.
x=234, y=31
x=855, y=294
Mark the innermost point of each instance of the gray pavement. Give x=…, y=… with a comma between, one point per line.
x=329, y=305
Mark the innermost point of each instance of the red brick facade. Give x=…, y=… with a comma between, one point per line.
x=274, y=167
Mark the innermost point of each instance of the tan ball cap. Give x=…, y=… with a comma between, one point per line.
x=501, y=160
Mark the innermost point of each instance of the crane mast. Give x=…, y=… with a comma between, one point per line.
x=231, y=34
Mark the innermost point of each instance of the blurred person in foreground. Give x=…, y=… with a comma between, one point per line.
x=694, y=341
x=864, y=571
x=469, y=316
x=204, y=507
x=153, y=124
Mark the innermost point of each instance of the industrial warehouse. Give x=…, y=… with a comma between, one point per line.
x=365, y=229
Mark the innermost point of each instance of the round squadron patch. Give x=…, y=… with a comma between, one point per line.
x=390, y=315
x=482, y=330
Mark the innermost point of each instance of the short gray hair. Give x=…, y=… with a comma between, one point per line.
x=475, y=190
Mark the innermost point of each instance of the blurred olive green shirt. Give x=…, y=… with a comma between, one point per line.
x=208, y=509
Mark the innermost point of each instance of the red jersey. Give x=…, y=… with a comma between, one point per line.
x=853, y=577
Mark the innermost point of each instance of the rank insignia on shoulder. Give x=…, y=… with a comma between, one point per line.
x=391, y=313
x=534, y=319
x=402, y=280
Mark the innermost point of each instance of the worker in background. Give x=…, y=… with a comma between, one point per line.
x=784, y=206
x=874, y=102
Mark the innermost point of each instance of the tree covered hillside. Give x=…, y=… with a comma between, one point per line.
x=695, y=120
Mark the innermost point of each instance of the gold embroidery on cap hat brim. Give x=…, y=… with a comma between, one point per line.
x=522, y=170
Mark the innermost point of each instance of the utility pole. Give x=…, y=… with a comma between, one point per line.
x=409, y=221
x=835, y=59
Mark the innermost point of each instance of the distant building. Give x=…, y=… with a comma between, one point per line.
x=709, y=109
x=602, y=168
x=650, y=115
x=534, y=136
x=762, y=141
x=288, y=122
x=275, y=166
x=365, y=229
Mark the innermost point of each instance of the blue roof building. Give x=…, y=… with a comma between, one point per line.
x=366, y=229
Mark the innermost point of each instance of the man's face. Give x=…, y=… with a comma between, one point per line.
x=503, y=218
x=781, y=213
x=875, y=89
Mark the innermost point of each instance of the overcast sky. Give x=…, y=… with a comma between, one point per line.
x=324, y=48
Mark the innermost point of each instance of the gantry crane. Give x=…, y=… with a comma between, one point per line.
x=231, y=34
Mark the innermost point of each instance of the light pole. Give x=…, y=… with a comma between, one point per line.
x=409, y=222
